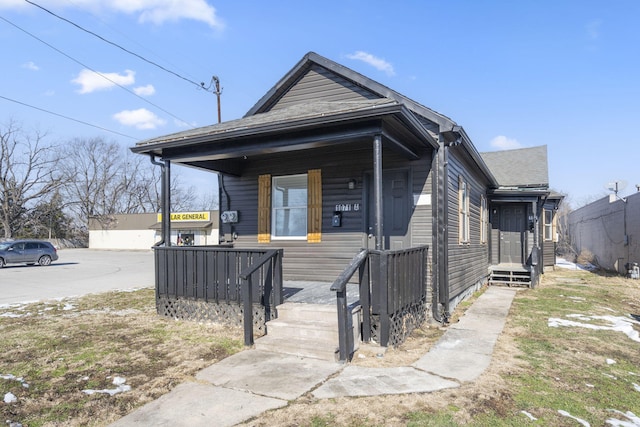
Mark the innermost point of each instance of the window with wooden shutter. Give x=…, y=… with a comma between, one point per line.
x=314, y=206
x=290, y=207
x=264, y=208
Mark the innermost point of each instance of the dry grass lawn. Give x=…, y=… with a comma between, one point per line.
x=60, y=349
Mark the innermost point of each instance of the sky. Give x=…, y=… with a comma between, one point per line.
x=561, y=73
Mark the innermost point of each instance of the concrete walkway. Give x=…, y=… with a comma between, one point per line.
x=251, y=382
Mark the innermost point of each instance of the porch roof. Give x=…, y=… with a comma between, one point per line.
x=302, y=126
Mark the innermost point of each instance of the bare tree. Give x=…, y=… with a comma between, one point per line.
x=92, y=168
x=565, y=242
x=28, y=172
x=105, y=179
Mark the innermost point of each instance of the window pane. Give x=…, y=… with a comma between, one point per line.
x=290, y=222
x=289, y=206
x=290, y=191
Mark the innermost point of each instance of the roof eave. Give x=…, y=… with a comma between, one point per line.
x=290, y=126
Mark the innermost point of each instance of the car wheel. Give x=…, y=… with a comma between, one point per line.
x=44, y=260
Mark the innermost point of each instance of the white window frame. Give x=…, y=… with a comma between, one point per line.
x=464, y=236
x=484, y=219
x=275, y=209
x=548, y=225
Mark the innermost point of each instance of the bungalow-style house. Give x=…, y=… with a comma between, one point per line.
x=332, y=170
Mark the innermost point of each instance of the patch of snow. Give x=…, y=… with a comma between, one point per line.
x=568, y=415
x=120, y=384
x=531, y=417
x=636, y=386
x=12, y=315
x=633, y=420
x=617, y=324
x=10, y=398
x=563, y=263
x=590, y=385
x=12, y=377
x=611, y=362
x=610, y=376
x=68, y=306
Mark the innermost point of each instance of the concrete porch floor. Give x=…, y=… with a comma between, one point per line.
x=316, y=292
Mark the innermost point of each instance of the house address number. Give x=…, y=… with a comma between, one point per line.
x=347, y=207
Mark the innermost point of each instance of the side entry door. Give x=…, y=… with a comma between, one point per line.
x=512, y=231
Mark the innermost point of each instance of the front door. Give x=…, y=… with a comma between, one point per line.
x=395, y=196
x=512, y=230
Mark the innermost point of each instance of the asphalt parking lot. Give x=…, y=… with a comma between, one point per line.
x=77, y=272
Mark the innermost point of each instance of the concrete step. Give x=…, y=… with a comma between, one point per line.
x=297, y=347
x=303, y=311
x=314, y=329
x=307, y=330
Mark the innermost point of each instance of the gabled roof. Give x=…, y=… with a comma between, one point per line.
x=522, y=168
x=275, y=93
x=405, y=124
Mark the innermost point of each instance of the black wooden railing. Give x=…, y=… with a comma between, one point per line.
x=221, y=275
x=345, y=337
x=391, y=282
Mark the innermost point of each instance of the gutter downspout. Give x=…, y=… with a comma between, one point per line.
x=165, y=202
x=377, y=191
x=440, y=307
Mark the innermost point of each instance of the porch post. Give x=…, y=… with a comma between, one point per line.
x=441, y=228
x=165, y=194
x=377, y=190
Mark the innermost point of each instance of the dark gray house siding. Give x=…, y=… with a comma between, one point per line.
x=324, y=261
x=468, y=262
x=319, y=83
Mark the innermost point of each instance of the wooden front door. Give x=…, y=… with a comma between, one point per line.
x=396, y=209
x=512, y=231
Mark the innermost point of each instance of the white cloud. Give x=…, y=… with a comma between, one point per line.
x=147, y=90
x=91, y=81
x=160, y=11
x=140, y=119
x=155, y=11
x=501, y=142
x=374, y=61
x=30, y=65
x=593, y=29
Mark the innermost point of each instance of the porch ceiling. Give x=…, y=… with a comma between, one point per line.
x=223, y=147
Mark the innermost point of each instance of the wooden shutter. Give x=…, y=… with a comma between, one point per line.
x=314, y=206
x=554, y=226
x=264, y=208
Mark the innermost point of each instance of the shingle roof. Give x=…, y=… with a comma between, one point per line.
x=523, y=167
x=286, y=115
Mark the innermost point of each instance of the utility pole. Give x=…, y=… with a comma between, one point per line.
x=217, y=92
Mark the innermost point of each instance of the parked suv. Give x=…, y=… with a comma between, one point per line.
x=27, y=252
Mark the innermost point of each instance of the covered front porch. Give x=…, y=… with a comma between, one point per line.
x=329, y=175
x=247, y=288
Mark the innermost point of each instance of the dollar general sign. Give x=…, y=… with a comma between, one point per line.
x=187, y=216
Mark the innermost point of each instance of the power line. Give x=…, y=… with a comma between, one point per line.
x=135, y=42
x=66, y=117
x=97, y=72
x=199, y=85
